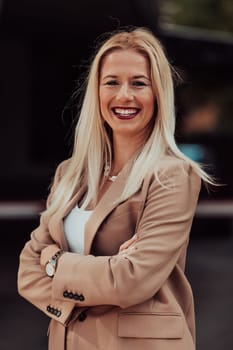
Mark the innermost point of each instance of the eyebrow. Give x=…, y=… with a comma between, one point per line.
x=134, y=77
x=140, y=77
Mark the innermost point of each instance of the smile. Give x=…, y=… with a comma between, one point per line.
x=125, y=113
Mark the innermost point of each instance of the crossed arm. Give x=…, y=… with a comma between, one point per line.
x=128, y=278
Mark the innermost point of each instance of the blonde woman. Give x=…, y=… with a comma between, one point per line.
x=107, y=261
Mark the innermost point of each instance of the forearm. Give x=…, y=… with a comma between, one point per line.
x=122, y=280
x=136, y=275
x=35, y=286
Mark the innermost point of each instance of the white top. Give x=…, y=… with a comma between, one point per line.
x=74, y=225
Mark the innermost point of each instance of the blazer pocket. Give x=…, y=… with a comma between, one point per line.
x=151, y=325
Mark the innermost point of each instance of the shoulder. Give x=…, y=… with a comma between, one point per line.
x=172, y=164
x=59, y=173
x=173, y=171
x=62, y=168
x=173, y=187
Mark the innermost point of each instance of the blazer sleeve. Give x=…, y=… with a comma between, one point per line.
x=33, y=283
x=131, y=278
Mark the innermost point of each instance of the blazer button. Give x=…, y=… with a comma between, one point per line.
x=65, y=294
x=55, y=312
x=49, y=308
x=58, y=313
x=81, y=297
x=70, y=295
x=76, y=297
x=82, y=316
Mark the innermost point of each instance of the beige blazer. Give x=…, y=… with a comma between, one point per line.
x=105, y=300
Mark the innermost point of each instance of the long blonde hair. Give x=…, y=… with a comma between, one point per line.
x=92, y=145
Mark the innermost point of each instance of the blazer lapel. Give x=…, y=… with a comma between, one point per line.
x=56, y=221
x=105, y=206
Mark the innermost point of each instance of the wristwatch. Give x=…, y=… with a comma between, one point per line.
x=51, y=265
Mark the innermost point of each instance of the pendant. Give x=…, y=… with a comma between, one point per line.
x=112, y=178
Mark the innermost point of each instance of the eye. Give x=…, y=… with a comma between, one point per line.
x=111, y=83
x=139, y=83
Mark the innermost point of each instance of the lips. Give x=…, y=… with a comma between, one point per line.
x=125, y=113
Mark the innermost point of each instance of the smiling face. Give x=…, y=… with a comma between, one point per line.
x=126, y=95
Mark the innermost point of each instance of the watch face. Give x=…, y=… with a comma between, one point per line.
x=50, y=270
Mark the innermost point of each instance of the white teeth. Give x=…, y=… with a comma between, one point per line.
x=125, y=111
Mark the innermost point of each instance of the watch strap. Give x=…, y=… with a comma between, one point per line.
x=52, y=263
x=57, y=255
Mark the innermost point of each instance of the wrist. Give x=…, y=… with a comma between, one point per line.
x=47, y=253
x=51, y=264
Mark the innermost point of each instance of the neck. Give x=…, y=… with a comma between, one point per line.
x=123, y=150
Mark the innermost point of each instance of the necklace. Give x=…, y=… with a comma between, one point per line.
x=111, y=178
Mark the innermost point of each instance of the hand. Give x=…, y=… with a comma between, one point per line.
x=47, y=253
x=129, y=244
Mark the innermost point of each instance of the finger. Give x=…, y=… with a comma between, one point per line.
x=128, y=243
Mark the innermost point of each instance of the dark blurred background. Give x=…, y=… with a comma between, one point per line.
x=45, y=48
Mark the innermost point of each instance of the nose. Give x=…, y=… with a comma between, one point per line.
x=125, y=93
